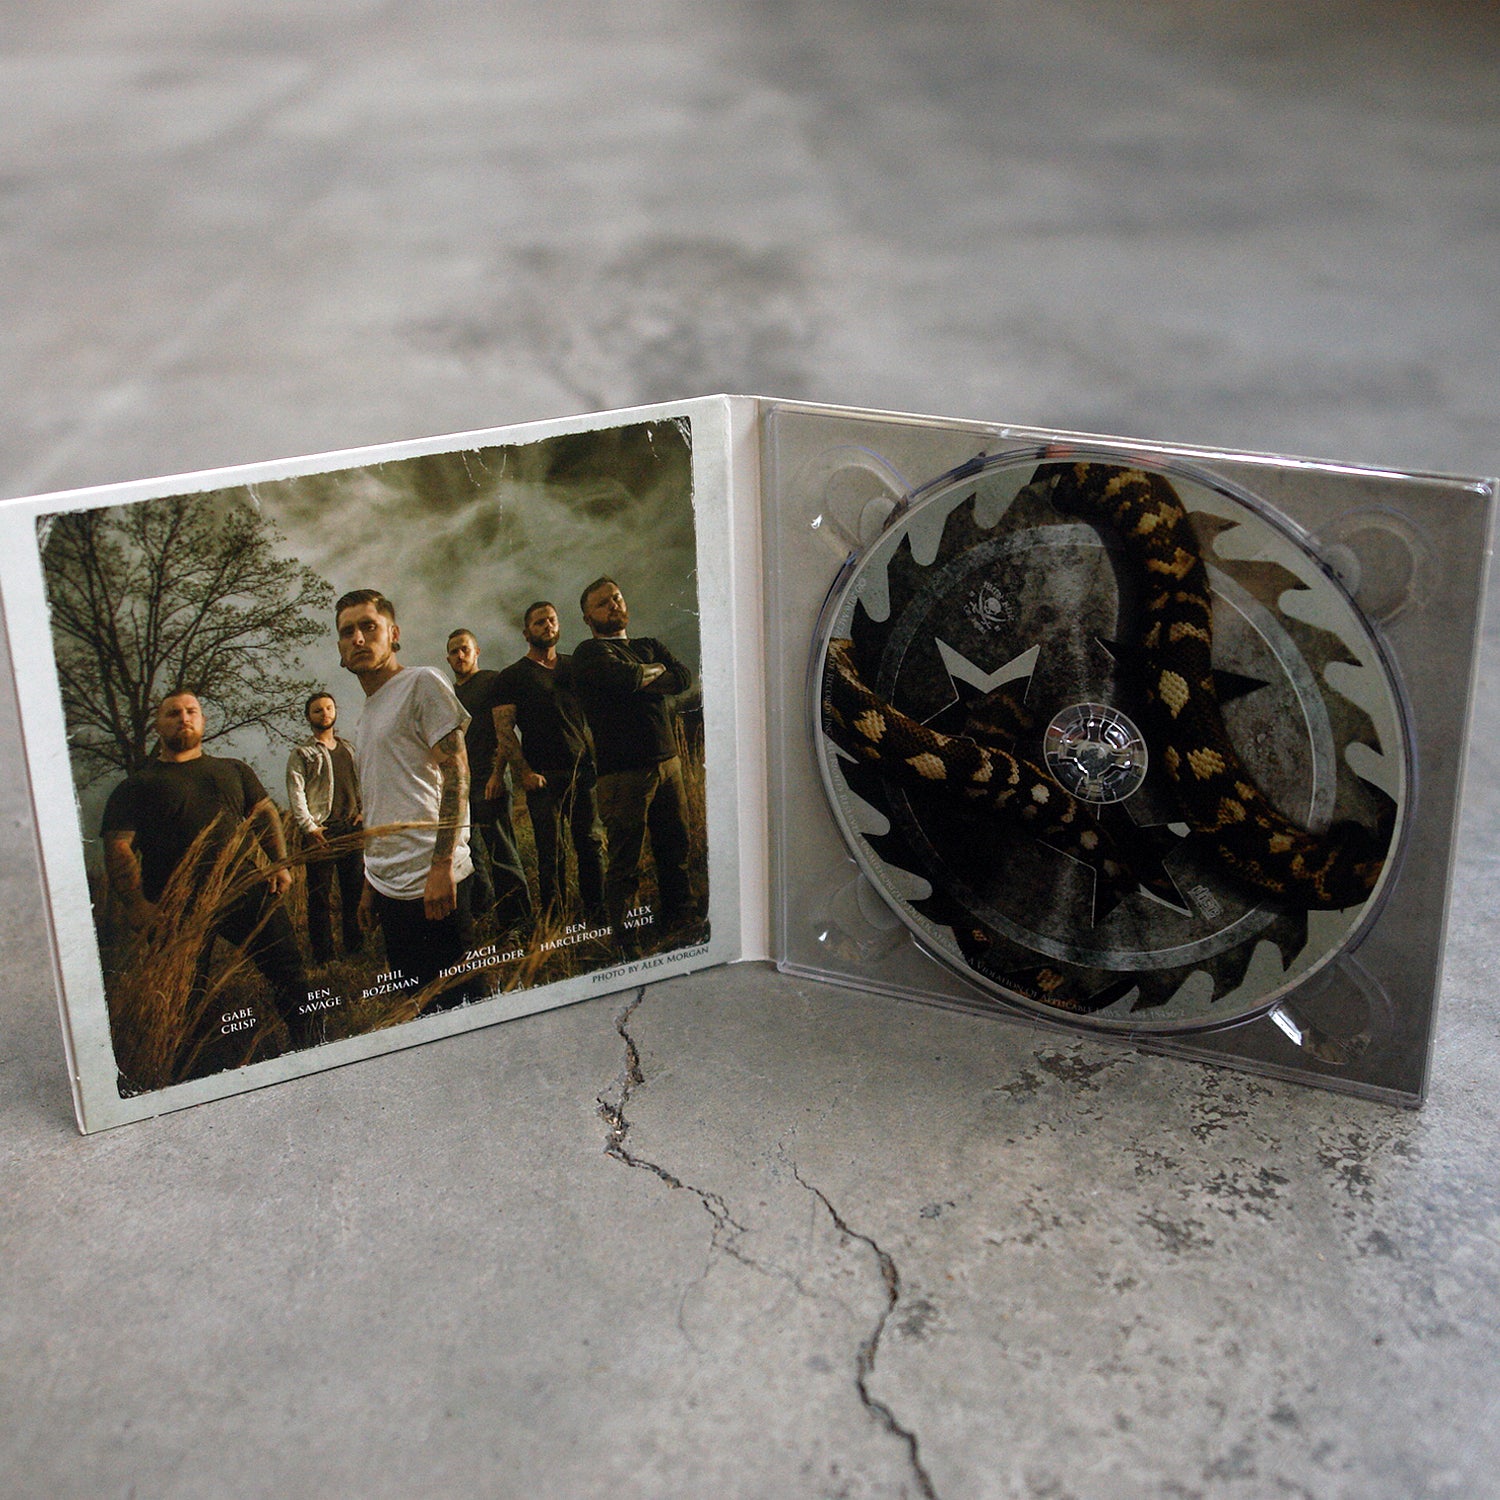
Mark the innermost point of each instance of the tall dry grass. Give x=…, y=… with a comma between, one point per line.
x=163, y=1027
x=160, y=1016
x=158, y=1013
x=552, y=955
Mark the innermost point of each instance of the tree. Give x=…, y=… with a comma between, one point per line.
x=184, y=593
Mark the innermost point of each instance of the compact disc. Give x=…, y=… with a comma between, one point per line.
x=1110, y=739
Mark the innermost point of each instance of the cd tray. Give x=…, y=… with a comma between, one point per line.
x=1127, y=738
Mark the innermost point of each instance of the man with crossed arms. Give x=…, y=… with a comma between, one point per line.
x=624, y=683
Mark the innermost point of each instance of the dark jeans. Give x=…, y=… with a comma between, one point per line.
x=258, y=924
x=418, y=948
x=350, y=871
x=634, y=804
x=499, y=875
x=568, y=802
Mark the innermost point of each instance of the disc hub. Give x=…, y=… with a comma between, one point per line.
x=1095, y=752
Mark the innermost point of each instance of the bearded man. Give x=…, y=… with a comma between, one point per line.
x=158, y=813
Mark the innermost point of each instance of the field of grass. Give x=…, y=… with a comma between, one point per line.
x=165, y=1031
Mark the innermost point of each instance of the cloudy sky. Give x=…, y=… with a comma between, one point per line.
x=471, y=538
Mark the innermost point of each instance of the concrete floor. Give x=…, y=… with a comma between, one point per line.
x=742, y=1235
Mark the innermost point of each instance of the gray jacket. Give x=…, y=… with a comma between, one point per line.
x=309, y=782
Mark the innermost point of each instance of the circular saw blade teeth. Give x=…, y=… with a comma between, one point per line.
x=1239, y=950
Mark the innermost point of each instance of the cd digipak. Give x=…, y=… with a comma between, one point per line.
x=1111, y=739
x=1088, y=732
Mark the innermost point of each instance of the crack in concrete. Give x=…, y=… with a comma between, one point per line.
x=864, y=1362
x=727, y=1230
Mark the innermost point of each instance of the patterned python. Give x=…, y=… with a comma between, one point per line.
x=1016, y=791
x=1232, y=820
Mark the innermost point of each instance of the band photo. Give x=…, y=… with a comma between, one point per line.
x=355, y=747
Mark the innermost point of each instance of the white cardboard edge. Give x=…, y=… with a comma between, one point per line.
x=752, y=749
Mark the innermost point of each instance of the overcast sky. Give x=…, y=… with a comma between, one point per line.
x=471, y=538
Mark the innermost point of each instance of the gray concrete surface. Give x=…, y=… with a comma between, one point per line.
x=741, y=1235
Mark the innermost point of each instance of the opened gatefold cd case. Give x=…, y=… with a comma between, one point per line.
x=336, y=755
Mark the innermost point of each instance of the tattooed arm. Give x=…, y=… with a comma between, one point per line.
x=123, y=866
x=508, y=753
x=440, y=895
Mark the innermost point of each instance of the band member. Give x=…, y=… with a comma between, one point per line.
x=500, y=877
x=553, y=761
x=154, y=817
x=413, y=769
x=322, y=791
x=624, y=685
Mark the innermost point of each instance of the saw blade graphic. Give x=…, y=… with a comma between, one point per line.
x=982, y=610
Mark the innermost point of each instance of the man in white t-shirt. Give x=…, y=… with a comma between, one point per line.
x=413, y=768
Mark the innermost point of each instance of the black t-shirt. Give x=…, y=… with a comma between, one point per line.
x=632, y=725
x=345, y=808
x=554, y=732
x=478, y=698
x=169, y=803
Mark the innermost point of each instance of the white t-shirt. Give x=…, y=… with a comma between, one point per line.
x=400, y=782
